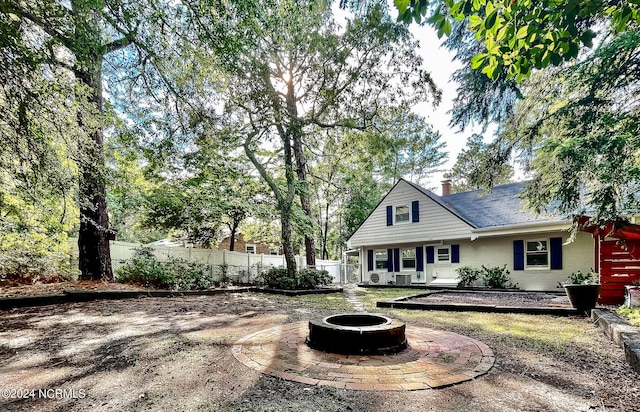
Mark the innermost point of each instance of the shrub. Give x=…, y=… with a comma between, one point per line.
x=579, y=278
x=31, y=266
x=495, y=277
x=278, y=278
x=468, y=275
x=177, y=274
x=312, y=278
x=189, y=275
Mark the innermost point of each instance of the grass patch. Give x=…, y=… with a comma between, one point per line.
x=540, y=333
x=329, y=301
x=369, y=296
x=632, y=314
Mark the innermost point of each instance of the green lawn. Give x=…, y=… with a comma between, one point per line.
x=546, y=334
x=633, y=314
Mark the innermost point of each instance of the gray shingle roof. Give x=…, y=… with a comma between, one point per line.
x=482, y=209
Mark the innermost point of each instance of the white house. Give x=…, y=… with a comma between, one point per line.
x=414, y=236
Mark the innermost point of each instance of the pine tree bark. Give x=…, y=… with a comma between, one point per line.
x=94, y=234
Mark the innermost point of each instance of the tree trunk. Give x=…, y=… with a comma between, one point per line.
x=232, y=239
x=94, y=233
x=325, y=235
x=305, y=203
x=301, y=170
x=287, y=244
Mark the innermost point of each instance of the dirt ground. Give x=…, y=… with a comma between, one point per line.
x=498, y=299
x=174, y=354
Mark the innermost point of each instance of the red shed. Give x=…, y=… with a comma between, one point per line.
x=617, y=257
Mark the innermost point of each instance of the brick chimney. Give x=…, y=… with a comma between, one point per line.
x=446, y=187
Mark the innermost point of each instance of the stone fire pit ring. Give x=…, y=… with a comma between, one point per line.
x=357, y=333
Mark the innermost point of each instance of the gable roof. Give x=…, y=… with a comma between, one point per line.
x=482, y=209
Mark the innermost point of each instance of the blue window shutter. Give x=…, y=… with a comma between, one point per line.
x=389, y=260
x=389, y=215
x=555, y=244
x=396, y=260
x=455, y=253
x=415, y=211
x=518, y=255
x=419, y=259
x=370, y=260
x=430, y=254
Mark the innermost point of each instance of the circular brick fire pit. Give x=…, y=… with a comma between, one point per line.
x=357, y=333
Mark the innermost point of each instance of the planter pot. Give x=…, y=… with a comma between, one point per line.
x=583, y=297
x=632, y=296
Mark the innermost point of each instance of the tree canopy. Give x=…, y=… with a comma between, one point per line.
x=522, y=35
x=291, y=71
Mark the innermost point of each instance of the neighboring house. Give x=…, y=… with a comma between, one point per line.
x=243, y=246
x=164, y=243
x=415, y=236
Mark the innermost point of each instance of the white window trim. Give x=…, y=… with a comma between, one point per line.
x=248, y=245
x=415, y=259
x=375, y=260
x=435, y=255
x=395, y=214
x=537, y=267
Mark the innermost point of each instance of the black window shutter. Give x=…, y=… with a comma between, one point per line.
x=455, y=253
x=389, y=215
x=369, y=260
x=415, y=211
x=396, y=260
x=389, y=260
x=518, y=255
x=430, y=254
x=419, y=259
x=555, y=244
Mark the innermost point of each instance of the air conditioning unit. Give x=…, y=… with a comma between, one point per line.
x=377, y=278
x=403, y=279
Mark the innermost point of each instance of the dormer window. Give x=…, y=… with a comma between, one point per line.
x=399, y=214
x=402, y=214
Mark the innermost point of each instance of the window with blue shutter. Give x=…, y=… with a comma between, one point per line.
x=455, y=253
x=419, y=259
x=415, y=211
x=389, y=260
x=555, y=244
x=396, y=260
x=518, y=255
x=389, y=215
x=369, y=260
x=430, y=254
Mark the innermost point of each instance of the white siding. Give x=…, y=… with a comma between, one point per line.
x=436, y=223
x=578, y=255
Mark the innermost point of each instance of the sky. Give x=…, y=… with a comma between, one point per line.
x=439, y=62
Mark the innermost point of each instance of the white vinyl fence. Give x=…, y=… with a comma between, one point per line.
x=238, y=267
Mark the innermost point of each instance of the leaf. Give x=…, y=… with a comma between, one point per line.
x=455, y=9
x=477, y=60
x=401, y=5
x=587, y=38
x=573, y=50
x=522, y=32
x=446, y=27
x=491, y=20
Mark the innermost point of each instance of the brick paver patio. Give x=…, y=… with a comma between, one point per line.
x=434, y=359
